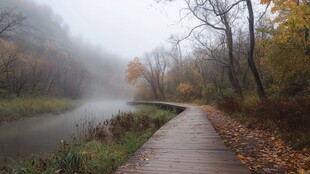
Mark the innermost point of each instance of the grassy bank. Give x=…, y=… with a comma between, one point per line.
x=17, y=108
x=102, y=147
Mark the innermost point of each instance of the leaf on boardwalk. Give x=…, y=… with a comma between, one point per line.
x=240, y=157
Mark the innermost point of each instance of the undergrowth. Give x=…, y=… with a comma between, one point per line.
x=287, y=116
x=99, y=147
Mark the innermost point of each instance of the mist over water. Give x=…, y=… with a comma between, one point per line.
x=57, y=63
x=40, y=135
x=68, y=66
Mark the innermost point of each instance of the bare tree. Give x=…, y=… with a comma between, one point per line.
x=153, y=71
x=37, y=70
x=156, y=66
x=212, y=14
x=20, y=75
x=8, y=61
x=11, y=23
x=201, y=64
x=201, y=9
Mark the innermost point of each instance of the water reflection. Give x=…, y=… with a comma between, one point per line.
x=40, y=135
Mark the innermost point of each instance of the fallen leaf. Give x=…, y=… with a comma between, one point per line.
x=239, y=156
x=301, y=171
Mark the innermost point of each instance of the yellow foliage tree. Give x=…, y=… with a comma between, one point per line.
x=289, y=66
x=293, y=19
x=185, y=89
x=287, y=53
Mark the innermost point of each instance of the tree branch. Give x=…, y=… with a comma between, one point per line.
x=222, y=13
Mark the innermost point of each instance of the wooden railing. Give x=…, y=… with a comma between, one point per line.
x=167, y=106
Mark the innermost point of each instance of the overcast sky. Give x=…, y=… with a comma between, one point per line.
x=124, y=27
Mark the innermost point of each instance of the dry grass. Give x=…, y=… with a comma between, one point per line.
x=17, y=108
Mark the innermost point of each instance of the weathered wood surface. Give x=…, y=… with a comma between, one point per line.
x=186, y=144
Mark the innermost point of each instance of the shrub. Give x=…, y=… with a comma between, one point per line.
x=230, y=105
x=185, y=90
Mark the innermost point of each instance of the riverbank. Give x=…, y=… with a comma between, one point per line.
x=18, y=108
x=99, y=148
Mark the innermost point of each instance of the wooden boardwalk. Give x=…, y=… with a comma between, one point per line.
x=186, y=144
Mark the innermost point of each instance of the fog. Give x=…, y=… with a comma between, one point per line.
x=93, y=40
x=127, y=28
x=73, y=49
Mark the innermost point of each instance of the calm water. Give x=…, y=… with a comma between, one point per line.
x=40, y=135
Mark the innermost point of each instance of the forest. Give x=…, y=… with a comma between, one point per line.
x=239, y=69
x=250, y=60
x=39, y=57
x=247, y=59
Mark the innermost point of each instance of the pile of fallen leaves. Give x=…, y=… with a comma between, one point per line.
x=260, y=151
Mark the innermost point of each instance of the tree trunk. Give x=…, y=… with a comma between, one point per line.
x=244, y=79
x=154, y=92
x=260, y=88
x=234, y=79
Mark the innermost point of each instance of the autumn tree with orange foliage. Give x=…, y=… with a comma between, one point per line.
x=153, y=71
x=134, y=70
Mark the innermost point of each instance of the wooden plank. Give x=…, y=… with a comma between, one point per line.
x=186, y=144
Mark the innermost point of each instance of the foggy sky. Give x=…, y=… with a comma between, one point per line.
x=124, y=27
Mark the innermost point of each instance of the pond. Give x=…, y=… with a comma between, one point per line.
x=39, y=135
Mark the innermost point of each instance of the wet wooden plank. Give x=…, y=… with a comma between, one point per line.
x=186, y=144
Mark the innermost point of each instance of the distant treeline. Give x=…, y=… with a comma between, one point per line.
x=39, y=57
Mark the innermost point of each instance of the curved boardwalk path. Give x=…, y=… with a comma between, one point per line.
x=186, y=144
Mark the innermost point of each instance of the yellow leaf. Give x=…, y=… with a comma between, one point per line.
x=301, y=171
x=240, y=157
x=84, y=152
x=274, y=9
